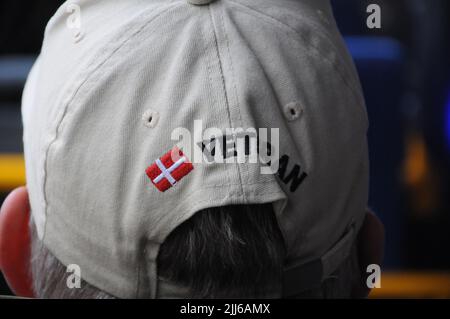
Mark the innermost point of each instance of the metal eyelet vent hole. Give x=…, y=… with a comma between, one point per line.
x=150, y=118
x=293, y=111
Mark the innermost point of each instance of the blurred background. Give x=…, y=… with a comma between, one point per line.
x=405, y=72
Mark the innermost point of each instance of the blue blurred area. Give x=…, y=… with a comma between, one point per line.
x=377, y=50
x=14, y=71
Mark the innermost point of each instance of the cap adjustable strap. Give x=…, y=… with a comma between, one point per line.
x=300, y=277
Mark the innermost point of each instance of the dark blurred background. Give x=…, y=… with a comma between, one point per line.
x=405, y=73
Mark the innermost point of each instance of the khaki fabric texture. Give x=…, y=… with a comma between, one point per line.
x=232, y=63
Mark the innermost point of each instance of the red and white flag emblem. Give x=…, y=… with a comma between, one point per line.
x=169, y=169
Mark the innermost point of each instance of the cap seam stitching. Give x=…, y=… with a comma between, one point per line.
x=328, y=34
x=208, y=67
x=74, y=93
x=284, y=25
x=214, y=27
x=236, y=96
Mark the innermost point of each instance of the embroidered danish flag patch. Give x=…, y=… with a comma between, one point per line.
x=169, y=169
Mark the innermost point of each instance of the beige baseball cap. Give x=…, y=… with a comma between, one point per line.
x=116, y=79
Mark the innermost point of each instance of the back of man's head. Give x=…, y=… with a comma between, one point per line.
x=229, y=252
x=194, y=148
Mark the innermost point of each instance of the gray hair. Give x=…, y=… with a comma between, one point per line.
x=224, y=251
x=220, y=252
x=50, y=275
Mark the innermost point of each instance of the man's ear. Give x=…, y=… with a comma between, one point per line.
x=15, y=243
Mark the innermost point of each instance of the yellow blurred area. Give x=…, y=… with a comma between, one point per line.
x=416, y=163
x=12, y=171
x=413, y=285
x=419, y=177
